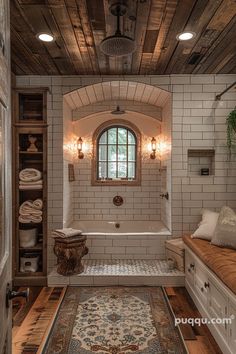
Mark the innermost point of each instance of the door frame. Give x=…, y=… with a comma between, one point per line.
x=6, y=187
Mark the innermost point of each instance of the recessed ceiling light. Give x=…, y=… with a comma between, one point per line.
x=45, y=37
x=185, y=36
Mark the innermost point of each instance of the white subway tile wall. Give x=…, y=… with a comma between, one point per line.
x=166, y=187
x=96, y=202
x=198, y=121
x=68, y=158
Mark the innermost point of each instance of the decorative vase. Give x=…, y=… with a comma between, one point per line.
x=32, y=141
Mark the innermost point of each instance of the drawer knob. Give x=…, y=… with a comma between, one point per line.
x=206, y=284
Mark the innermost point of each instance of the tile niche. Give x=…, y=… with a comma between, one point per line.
x=201, y=159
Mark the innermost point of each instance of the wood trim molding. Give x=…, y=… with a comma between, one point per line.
x=98, y=131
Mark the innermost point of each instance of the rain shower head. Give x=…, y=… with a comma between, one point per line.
x=118, y=45
x=118, y=111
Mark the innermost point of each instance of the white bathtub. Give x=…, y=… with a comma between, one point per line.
x=132, y=240
x=123, y=228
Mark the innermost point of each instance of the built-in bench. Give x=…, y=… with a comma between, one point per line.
x=211, y=281
x=222, y=261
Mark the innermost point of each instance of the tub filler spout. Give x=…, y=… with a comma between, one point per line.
x=117, y=225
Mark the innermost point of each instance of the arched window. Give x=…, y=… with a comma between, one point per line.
x=116, y=154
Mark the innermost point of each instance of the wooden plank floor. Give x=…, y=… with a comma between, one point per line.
x=198, y=339
x=32, y=321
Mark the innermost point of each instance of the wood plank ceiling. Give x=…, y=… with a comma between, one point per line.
x=80, y=25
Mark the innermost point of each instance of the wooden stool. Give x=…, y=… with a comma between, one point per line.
x=69, y=252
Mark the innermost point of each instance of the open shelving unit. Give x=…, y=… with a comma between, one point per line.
x=29, y=121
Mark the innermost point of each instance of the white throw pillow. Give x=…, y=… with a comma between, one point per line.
x=225, y=232
x=206, y=227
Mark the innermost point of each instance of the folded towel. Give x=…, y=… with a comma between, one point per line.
x=30, y=187
x=33, y=183
x=30, y=205
x=27, y=219
x=30, y=174
x=27, y=212
x=66, y=232
x=30, y=211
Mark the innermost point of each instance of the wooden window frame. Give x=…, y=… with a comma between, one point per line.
x=97, y=134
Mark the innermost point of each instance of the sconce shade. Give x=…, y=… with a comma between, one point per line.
x=153, y=145
x=80, y=148
x=153, y=142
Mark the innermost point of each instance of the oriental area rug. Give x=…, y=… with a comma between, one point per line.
x=114, y=320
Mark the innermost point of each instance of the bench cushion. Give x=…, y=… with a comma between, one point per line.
x=222, y=261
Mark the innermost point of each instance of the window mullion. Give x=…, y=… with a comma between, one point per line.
x=117, y=172
x=127, y=154
x=106, y=166
x=135, y=162
x=98, y=157
x=107, y=155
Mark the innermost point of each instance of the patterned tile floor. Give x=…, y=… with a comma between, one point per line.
x=128, y=267
x=121, y=272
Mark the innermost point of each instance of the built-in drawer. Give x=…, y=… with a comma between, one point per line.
x=232, y=328
x=213, y=300
x=189, y=268
x=201, y=283
x=218, y=308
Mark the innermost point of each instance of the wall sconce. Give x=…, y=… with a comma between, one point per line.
x=153, y=147
x=80, y=148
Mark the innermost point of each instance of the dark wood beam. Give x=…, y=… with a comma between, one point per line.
x=216, y=47
x=142, y=16
x=25, y=33
x=98, y=61
x=183, y=11
x=202, y=13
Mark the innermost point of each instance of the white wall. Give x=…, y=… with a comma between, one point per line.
x=166, y=185
x=198, y=121
x=95, y=202
x=68, y=157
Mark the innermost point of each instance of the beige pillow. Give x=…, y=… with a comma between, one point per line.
x=206, y=227
x=225, y=232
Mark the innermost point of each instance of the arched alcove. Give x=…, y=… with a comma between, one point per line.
x=117, y=90
x=147, y=106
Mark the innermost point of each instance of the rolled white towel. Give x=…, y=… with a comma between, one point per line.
x=31, y=212
x=26, y=207
x=30, y=174
x=27, y=219
x=31, y=207
x=66, y=232
x=38, y=204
